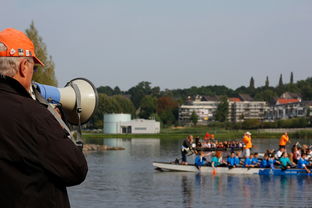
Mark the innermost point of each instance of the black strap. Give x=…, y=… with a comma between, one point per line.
x=52, y=111
x=78, y=107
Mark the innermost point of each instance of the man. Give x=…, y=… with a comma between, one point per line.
x=303, y=163
x=231, y=161
x=200, y=160
x=38, y=160
x=279, y=153
x=186, y=147
x=248, y=143
x=284, y=140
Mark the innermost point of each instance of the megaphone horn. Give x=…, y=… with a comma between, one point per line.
x=79, y=97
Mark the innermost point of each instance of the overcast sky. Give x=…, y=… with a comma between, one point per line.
x=171, y=43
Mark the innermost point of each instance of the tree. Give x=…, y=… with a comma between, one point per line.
x=45, y=74
x=194, y=118
x=222, y=110
x=139, y=91
x=147, y=107
x=291, y=78
x=126, y=106
x=267, y=84
x=117, y=91
x=105, y=90
x=280, y=82
x=252, y=83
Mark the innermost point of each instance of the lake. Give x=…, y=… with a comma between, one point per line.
x=127, y=178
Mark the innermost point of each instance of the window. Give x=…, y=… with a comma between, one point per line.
x=140, y=128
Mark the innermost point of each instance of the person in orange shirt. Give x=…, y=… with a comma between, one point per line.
x=284, y=140
x=248, y=143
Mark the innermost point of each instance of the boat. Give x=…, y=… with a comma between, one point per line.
x=167, y=166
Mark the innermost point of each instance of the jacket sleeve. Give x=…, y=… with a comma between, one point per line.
x=58, y=155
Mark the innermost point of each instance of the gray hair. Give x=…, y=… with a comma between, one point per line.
x=9, y=65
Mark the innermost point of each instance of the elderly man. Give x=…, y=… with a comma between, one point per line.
x=38, y=160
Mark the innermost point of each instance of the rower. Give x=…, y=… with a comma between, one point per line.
x=231, y=161
x=200, y=159
x=264, y=162
x=303, y=163
x=186, y=147
x=248, y=162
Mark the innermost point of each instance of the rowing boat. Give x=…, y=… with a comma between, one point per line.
x=165, y=166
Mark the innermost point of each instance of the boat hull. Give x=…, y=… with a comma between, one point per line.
x=245, y=171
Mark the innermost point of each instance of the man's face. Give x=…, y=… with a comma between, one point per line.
x=29, y=73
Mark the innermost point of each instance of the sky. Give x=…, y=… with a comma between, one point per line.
x=171, y=43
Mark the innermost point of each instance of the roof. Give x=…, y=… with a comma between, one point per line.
x=290, y=95
x=210, y=98
x=245, y=97
x=235, y=99
x=285, y=101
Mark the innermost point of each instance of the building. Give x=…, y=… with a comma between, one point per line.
x=240, y=108
x=244, y=107
x=122, y=124
x=286, y=108
x=204, y=106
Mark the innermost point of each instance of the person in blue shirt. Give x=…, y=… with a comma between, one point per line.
x=237, y=158
x=303, y=163
x=231, y=160
x=255, y=160
x=272, y=161
x=248, y=162
x=200, y=160
x=264, y=162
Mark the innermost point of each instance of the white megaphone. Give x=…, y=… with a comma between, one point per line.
x=79, y=99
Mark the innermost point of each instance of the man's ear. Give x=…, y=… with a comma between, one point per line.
x=22, y=68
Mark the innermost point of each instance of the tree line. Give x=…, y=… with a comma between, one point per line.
x=145, y=101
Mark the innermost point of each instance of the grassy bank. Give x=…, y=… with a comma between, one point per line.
x=201, y=131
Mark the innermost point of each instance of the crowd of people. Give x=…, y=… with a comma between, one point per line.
x=232, y=154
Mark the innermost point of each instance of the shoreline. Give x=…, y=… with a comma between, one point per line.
x=219, y=134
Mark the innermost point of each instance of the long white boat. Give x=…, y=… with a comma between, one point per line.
x=165, y=166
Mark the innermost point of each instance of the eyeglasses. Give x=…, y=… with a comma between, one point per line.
x=35, y=66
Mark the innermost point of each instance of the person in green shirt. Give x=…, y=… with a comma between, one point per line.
x=285, y=162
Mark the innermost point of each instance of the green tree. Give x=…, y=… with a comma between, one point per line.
x=222, y=110
x=45, y=74
x=139, y=91
x=291, y=78
x=147, y=106
x=267, y=84
x=194, y=118
x=126, y=106
x=105, y=90
x=280, y=82
x=117, y=91
x=252, y=83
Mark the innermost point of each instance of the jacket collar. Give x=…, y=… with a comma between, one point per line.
x=11, y=85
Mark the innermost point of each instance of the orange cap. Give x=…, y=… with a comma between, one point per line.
x=17, y=44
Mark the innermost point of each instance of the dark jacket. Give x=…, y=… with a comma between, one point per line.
x=37, y=159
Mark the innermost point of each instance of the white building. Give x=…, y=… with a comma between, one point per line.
x=204, y=107
x=242, y=110
x=122, y=124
